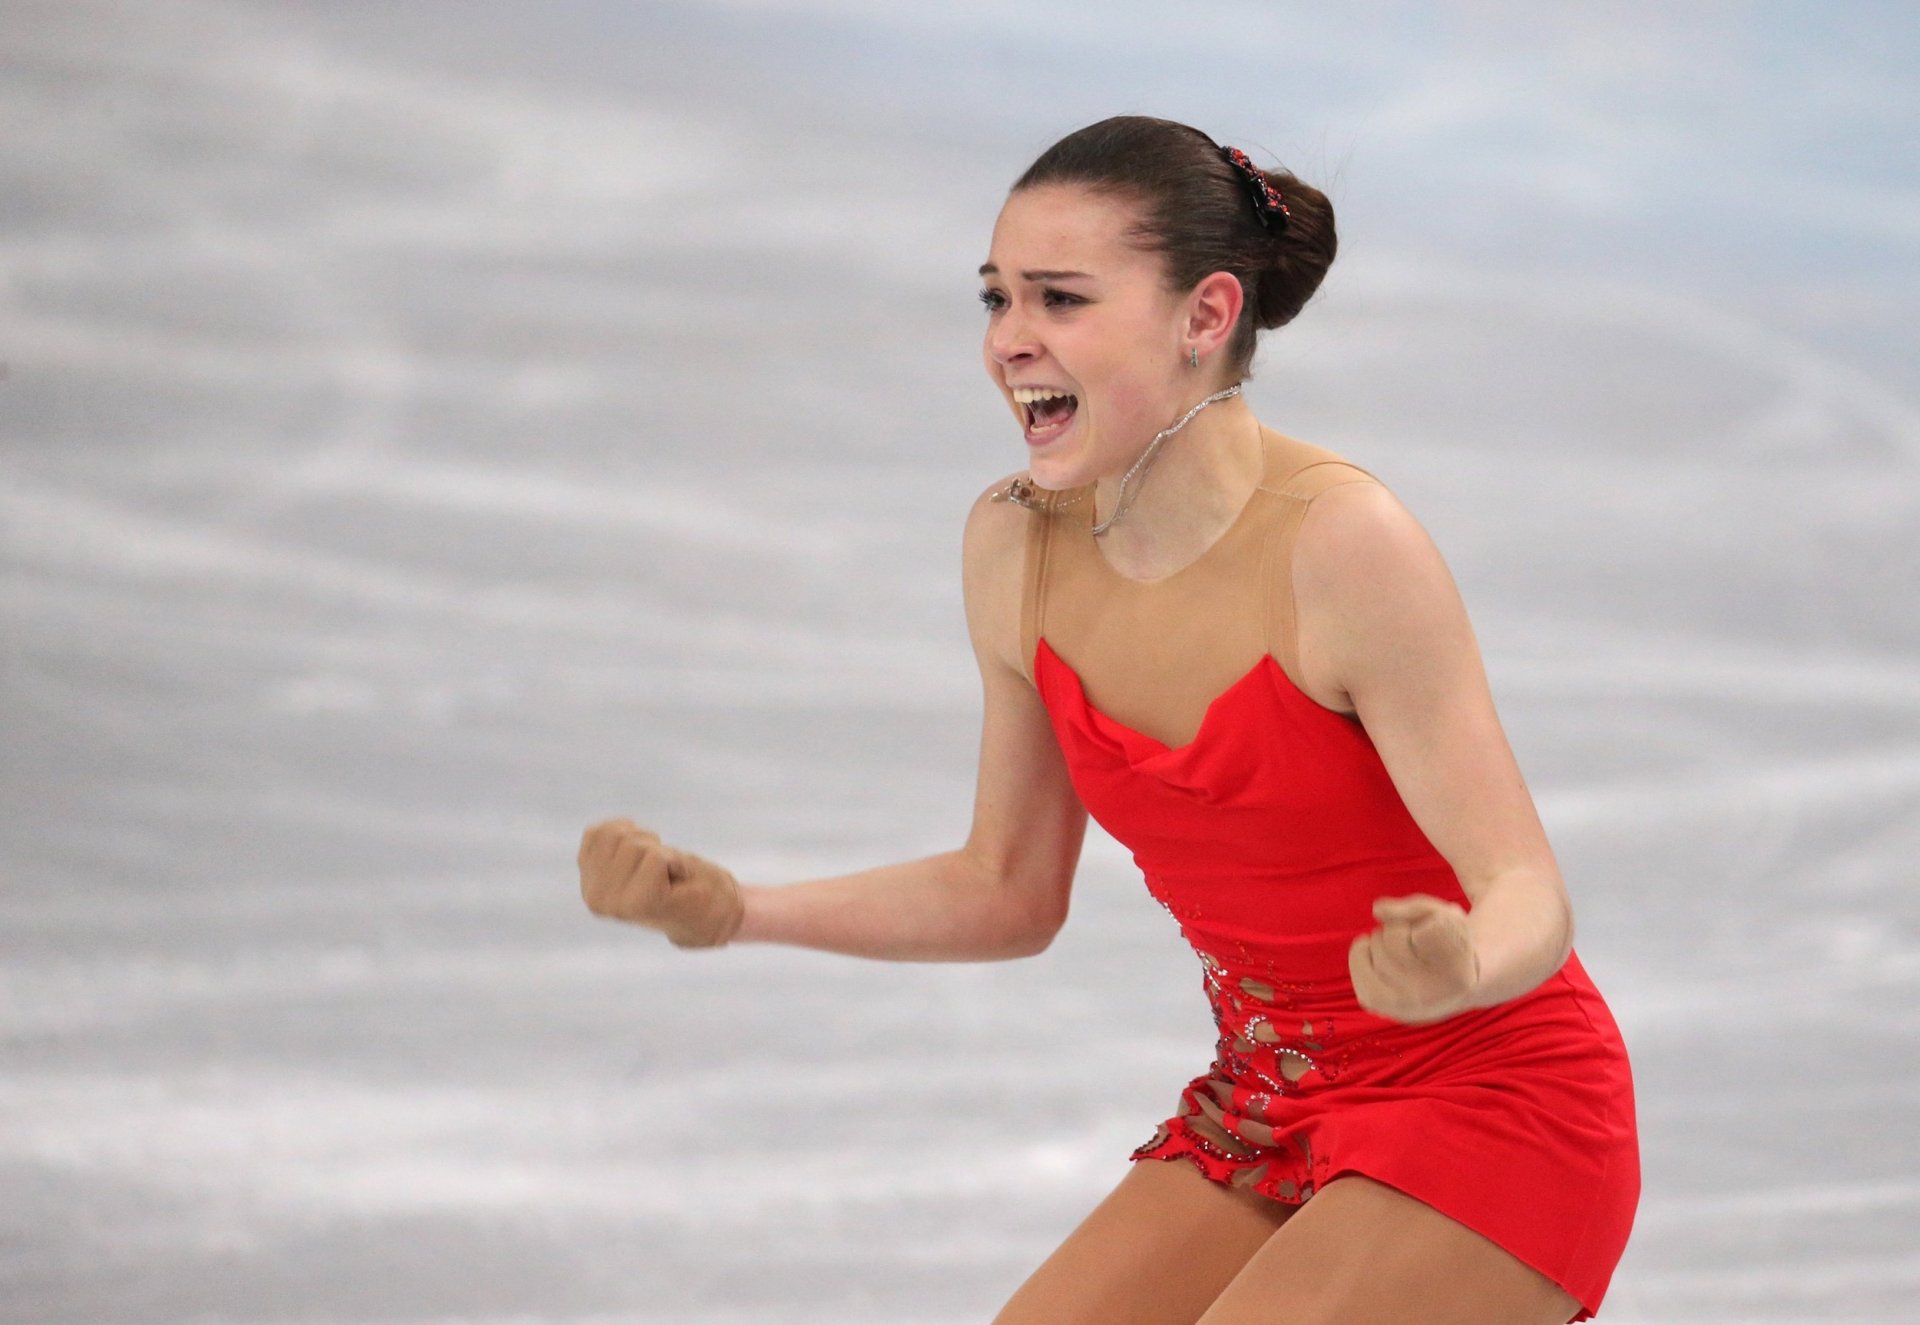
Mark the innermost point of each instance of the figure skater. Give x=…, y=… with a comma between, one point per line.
x=1241, y=654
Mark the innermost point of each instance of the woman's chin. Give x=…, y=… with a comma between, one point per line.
x=1056, y=475
x=1055, y=461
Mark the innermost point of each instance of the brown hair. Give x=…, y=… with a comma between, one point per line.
x=1198, y=214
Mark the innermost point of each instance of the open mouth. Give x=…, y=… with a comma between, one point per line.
x=1048, y=410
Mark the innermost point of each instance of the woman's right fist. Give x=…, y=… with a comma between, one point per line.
x=628, y=873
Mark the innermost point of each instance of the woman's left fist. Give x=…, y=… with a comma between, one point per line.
x=1419, y=965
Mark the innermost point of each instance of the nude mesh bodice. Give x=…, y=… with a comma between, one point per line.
x=1154, y=654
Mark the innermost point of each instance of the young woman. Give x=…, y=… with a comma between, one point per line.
x=1243, y=655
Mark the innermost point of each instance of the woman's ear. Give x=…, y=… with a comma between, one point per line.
x=1213, y=310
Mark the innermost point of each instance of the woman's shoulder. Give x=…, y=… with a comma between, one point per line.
x=1363, y=560
x=993, y=557
x=997, y=521
x=1356, y=524
x=1352, y=521
x=1302, y=470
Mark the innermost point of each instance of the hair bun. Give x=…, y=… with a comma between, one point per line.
x=1299, y=254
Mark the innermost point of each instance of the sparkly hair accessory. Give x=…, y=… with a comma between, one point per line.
x=1267, y=202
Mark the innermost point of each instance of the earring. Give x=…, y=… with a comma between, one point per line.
x=1193, y=356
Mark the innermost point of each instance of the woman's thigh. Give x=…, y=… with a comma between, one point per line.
x=1156, y=1251
x=1363, y=1253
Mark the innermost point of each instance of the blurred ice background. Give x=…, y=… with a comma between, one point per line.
x=429, y=428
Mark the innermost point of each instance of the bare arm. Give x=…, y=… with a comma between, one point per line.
x=1002, y=894
x=1389, y=619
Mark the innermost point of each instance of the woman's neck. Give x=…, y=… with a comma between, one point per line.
x=1188, y=495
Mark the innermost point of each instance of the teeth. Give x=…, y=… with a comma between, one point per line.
x=1028, y=395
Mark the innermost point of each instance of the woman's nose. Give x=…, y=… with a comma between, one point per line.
x=1009, y=340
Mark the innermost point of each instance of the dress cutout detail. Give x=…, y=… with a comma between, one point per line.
x=1266, y=825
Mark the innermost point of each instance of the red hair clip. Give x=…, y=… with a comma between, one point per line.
x=1268, y=205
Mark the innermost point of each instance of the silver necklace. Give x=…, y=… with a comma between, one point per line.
x=1023, y=491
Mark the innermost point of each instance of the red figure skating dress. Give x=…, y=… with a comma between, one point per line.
x=1268, y=836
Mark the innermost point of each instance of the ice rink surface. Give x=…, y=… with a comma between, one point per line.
x=427, y=429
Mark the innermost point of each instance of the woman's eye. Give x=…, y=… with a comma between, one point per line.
x=994, y=301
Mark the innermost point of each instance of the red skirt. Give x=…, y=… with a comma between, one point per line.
x=1515, y=1120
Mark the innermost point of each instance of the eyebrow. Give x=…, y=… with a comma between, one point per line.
x=988, y=269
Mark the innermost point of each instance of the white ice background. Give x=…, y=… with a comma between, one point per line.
x=426, y=429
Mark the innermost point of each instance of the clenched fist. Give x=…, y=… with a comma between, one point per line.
x=628, y=873
x=1420, y=965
